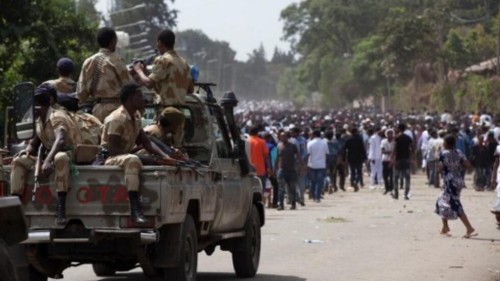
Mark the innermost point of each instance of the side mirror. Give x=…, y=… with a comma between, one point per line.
x=24, y=111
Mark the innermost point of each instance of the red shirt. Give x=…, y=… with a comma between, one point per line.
x=258, y=154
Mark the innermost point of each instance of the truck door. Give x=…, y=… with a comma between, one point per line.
x=231, y=197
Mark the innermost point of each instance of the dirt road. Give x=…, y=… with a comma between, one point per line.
x=369, y=236
x=363, y=236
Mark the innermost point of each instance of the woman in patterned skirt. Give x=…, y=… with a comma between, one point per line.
x=448, y=206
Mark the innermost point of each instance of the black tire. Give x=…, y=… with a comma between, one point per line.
x=102, y=269
x=188, y=263
x=247, y=256
x=7, y=270
x=36, y=275
x=124, y=265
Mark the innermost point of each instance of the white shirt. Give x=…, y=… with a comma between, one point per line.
x=424, y=139
x=317, y=149
x=374, y=150
x=485, y=119
x=446, y=117
x=388, y=149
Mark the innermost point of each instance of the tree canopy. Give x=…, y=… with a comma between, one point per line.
x=353, y=49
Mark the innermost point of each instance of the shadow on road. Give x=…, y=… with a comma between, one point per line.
x=203, y=276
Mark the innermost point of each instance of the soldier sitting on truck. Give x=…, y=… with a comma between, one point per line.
x=55, y=131
x=166, y=126
x=122, y=130
x=64, y=84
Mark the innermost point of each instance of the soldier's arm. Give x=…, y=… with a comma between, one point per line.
x=142, y=78
x=59, y=143
x=153, y=149
x=82, y=91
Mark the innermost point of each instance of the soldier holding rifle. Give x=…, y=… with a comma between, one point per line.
x=122, y=131
x=56, y=134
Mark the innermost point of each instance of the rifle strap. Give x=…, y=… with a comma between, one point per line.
x=96, y=73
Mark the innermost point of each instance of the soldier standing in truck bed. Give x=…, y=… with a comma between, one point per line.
x=170, y=77
x=102, y=76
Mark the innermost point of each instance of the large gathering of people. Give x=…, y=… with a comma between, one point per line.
x=386, y=147
x=296, y=153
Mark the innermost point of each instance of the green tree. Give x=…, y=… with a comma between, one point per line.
x=34, y=35
x=37, y=33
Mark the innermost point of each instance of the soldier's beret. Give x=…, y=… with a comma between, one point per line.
x=173, y=115
x=65, y=65
x=69, y=101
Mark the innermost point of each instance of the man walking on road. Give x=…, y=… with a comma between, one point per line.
x=375, y=158
x=401, y=156
x=317, y=149
x=259, y=155
x=356, y=156
x=288, y=156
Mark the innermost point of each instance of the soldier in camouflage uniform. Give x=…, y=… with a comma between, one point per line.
x=166, y=126
x=102, y=76
x=89, y=127
x=55, y=130
x=64, y=84
x=170, y=77
x=122, y=130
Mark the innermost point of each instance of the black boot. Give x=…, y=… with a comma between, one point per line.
x=61, y=208
x=135, y=208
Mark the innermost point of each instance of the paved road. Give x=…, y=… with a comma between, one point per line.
x=363, y=236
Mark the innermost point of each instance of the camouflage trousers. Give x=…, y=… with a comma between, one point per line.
x=131, y=165
x=102, y=110
x=22, y=164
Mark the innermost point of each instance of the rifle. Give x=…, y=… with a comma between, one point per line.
x=170, y=152
x=38, y=170
x=189, y=163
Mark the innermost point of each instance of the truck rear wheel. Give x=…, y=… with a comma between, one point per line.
x=188, y=262
x=246, y=257
x=35, y=275
x=102, y=269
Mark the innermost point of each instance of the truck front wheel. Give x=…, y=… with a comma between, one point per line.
x=188, y=261
x=102, y=269
x=246, y=256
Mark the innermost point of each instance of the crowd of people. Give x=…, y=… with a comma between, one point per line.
x=388, y=147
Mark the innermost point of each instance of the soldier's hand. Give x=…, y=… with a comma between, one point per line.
x=168, y=161
x=47, y=168
x=179, y=155
x=137, y=66
x=22, y=152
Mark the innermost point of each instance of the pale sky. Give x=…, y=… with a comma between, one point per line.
x=244, y=24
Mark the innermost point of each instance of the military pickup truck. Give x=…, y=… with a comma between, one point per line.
x=190, y=208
